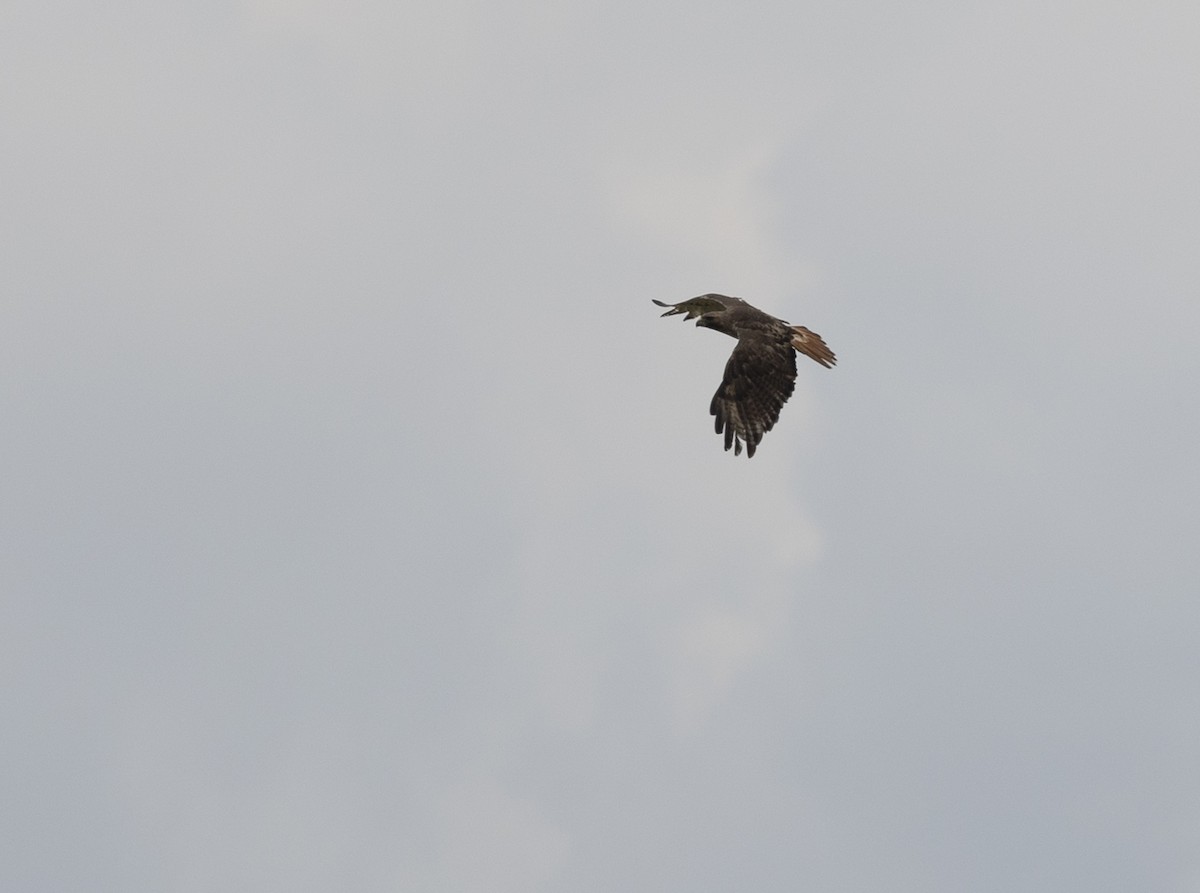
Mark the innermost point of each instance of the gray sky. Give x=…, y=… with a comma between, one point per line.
x=364, y=526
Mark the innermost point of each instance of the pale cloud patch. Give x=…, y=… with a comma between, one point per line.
x=420, y=58
x=709, y=649
x=432, y=63
x=495, y=841
x=717, y=212
x=708, y=652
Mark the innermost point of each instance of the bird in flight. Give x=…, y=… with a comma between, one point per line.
x=761, y=372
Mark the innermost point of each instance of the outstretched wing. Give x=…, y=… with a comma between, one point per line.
x=693, y=307
x=759, y=378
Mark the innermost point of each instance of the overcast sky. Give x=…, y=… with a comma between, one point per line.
x=362, y=525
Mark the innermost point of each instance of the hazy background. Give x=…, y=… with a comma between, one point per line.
x=362, y=526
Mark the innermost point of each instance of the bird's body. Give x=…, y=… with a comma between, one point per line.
x=761, y=372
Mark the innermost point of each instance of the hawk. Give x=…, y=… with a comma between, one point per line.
x=761, y=372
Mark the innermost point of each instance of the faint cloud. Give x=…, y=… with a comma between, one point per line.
x=717, y=210
x=494, y=841
x=709, y=653
x=418, y=55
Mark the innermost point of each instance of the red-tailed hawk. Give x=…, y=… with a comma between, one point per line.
x=761, y=372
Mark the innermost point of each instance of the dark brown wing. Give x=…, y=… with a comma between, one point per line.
x=759, y=378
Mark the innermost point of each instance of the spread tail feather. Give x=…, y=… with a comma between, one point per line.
x=811, y=345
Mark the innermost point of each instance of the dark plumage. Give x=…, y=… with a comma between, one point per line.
x=761, y=372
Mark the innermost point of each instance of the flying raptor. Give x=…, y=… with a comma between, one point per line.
x=761, y=372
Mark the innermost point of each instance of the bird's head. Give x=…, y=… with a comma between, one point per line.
x=718, y=322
